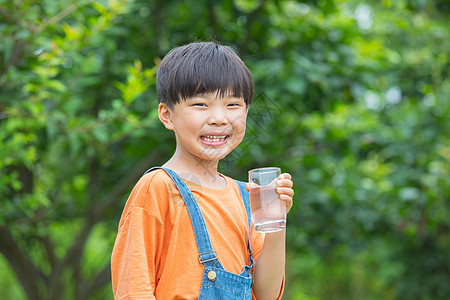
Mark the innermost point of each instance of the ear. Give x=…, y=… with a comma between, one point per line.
x=165, y=115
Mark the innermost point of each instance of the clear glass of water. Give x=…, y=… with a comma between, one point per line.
x=268, y=211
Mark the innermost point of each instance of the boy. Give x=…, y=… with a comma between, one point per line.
x=171, y=245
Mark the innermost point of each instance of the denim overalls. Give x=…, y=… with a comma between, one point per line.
x=216, y=283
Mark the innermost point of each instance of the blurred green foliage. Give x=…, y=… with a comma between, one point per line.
x=351, y=98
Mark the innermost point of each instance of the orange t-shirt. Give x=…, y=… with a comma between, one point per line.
x=155, y=254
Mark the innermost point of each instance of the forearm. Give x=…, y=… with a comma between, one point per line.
x=269, y=269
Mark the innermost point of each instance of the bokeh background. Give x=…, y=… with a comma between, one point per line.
x=351, y=97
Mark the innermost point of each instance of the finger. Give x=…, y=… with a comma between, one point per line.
x=285, y=183
x=250, y=185
x=288, y=201
x=285, y=191
x=285, y=176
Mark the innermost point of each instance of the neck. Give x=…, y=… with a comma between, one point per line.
x=203, y=172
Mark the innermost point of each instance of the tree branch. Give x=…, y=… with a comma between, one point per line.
x=251, y=18
x=49, y=249
x=95, y=214
x=15, y=55
x=25, y=270
x=69, y=259
x=158, y=25
x=102, y=278
x=212, y=20
x=100, y=208
x=58, y=17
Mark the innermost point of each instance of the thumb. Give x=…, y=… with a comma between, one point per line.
x=250, y=185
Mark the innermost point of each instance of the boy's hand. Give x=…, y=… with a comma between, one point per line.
x=284, y=189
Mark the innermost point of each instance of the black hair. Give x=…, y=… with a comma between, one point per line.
x=199, y=68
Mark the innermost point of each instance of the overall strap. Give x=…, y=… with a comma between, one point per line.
x=207, y=255
x=246, y=199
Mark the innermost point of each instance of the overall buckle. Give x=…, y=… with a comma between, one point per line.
x=209, y=259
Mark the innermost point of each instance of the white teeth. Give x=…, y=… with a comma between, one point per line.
x=214, y=138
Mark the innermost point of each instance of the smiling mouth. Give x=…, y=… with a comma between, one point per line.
x=214, y=138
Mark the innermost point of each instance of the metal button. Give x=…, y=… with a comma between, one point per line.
x=212, y=276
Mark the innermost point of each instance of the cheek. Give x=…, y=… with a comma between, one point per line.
x=190, y=123
x=240, y=124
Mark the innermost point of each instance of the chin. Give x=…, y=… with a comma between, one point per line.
x=215, y=157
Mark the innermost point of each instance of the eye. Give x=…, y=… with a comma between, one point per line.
x=234, y=104
x=199, y=104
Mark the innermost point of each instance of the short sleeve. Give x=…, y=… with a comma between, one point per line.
x=135, y=256
x=138, y=246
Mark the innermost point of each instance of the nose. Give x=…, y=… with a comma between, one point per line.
x=218, y=117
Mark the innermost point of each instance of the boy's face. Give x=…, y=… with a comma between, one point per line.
x=206, y=127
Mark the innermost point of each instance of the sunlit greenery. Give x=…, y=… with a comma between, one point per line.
x=351, y=98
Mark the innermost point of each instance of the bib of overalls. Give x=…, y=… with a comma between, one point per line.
x=217, y=283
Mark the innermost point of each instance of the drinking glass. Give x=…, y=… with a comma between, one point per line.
x=268, y=211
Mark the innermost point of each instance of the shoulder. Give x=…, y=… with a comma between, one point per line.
x=237, y=185
x=151, y=187
x=157, y=176
x=150, y=196
x=234, y=182
x=155, y=179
